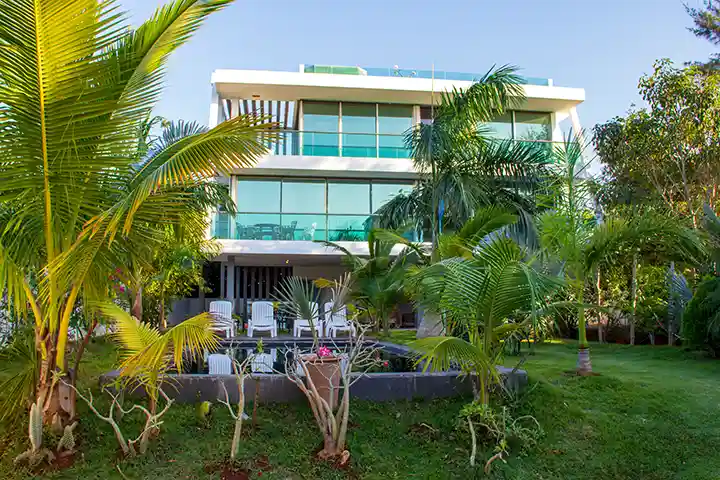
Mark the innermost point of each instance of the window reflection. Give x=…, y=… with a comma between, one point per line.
x=305, y=210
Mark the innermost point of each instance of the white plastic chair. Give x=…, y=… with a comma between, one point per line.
x=262, y=319
x=262, y=362
x=337, y=321
x=303, y=325
x=219, y=364
x=221, y=311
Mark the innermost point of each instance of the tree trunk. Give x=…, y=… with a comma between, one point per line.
x=633, y=292
x=601, y=315
x=583, y=362
x=670, y=319
x=137, y=306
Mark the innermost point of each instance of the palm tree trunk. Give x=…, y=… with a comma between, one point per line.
x=633, y=290
x=601, y=316
x=137, y=307
x=583, y=362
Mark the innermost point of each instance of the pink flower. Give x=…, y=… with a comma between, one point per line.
x=324, y=352
x=122, y=288
x=118, y=270
x=385, y=363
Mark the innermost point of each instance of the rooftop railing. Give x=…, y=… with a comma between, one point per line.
x=411, y=73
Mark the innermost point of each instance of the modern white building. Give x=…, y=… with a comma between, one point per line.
x=340, y=157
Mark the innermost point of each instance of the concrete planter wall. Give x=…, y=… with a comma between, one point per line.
x=377, y=387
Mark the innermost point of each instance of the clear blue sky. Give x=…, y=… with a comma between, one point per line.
x=603, y=46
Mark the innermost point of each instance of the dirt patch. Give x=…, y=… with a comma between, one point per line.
x=262, y=463
x=228, y=471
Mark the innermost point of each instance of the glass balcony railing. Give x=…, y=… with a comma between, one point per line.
x=363, y=145
x=410, y=73
x=333, y=144
x=289, y=227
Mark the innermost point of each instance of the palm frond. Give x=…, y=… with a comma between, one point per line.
x=443, y=353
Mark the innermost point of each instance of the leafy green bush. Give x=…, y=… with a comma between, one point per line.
x=701, y=321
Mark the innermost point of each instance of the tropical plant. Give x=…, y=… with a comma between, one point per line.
x=480, y=293
x=77, y=86
x=500, y=429
x=148, y=354
x=155, y=275
x=571, y=234
x=460, y=167
x=377, y=281
x=298, y=298
x=701, y=320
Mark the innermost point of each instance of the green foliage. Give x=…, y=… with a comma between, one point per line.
x=147, y=354
x=499, y=429
x=19, y=365
x=80, y=188
x=701, y=321
x=707, y=26
x=460, y=167
x=377, y=281
x=665, y=154
x=479, y=293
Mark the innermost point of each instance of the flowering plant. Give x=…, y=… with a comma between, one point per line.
x=324, y=352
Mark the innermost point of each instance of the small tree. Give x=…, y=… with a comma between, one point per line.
x=240, y=372
x=357, y=358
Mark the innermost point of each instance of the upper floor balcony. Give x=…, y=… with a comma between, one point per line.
x=355, y=145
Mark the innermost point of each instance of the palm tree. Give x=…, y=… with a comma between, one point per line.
x=77, y=86
x=571, y=235
x=479, y=290
x=184, y=244
x=460, y=167
x=377, y=280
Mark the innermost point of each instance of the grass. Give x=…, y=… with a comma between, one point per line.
x=651, y=414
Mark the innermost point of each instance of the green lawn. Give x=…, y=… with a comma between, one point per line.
x=651, y=414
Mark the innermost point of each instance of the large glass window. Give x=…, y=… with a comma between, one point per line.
x=358, y=126
x=500, y=127
x=382, y=193
x=295, y=209
x=349, y=198
x=393, y=122
x=258, y=195
x=348, y=228
x=320, y=127
x=253, y=226
x=303, y=196
x=304, y=227
x=532, y=126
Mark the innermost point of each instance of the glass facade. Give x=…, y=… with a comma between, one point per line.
x=532, y=126
x=369, y=130
x=314, y=209
x=359, y=137
x=393, y=123
x=321, y=122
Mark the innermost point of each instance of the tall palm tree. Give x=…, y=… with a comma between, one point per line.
x=77, y=85
x=460, y=167
x=484, y=285
x=571, y=235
